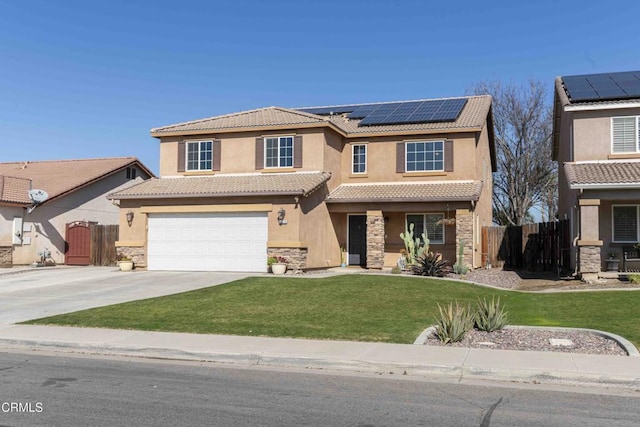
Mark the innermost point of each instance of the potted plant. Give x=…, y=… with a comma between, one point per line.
x=613, y=262
x=278, y=264
x=125, y=263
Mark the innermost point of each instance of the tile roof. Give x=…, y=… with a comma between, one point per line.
x=58, y=177
x=14, y=190
x=262, y=117
x=612, y=173
x=563, y=97
x=472, y=117
x=406, y=192
x=298, y=183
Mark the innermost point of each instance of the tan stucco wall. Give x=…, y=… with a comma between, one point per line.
x=237, y=151
x=483, y=212
x=48, y=221
x=592, y=133
x=381, y=159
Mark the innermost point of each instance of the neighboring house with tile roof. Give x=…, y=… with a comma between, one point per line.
x=596, y=142
x=303, y=183
x=76, y=191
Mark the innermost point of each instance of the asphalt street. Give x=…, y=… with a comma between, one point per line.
x=73, y=390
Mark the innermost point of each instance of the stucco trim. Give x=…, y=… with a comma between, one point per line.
x=612, y=186
x=257, y=207
x=612, y=106
x=131, y=243
x=590, y=243
x=286, y=244
x=589, y=202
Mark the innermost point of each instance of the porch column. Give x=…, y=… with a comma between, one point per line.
x=464, y=230
x=589, y=245
x=375, y=239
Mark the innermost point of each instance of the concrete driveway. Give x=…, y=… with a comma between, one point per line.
x=35, y=293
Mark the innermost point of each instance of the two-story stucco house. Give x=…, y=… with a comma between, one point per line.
x=597, y=146
x=308, y=183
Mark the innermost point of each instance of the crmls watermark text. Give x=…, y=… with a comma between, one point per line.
x=29, y=407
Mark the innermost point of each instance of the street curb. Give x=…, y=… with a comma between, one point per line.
x=434, y=371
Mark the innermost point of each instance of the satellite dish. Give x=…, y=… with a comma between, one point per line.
x=38, y=196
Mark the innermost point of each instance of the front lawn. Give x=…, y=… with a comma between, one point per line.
x=351, y=307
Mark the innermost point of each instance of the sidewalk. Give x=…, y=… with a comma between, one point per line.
x=401, y=359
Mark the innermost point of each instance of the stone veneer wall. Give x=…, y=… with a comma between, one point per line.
x=296, y=257
x=464, y=230
x=590, y=261
x=375, y=240
x=136, y=253
x=6, y=256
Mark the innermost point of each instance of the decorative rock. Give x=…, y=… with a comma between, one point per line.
x=560, y=342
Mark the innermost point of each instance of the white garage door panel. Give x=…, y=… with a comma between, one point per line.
x=234, y=241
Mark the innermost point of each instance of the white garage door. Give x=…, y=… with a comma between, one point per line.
x=233, y=241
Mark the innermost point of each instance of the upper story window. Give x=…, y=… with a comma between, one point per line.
x=625, y=134
x=359, y=164
x=278, y=152
x=424, y=156
x=132, y=173
x=199, y=156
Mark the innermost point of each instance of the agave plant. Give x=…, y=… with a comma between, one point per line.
x=429, y=264
x=490, y=316
x=453, y=322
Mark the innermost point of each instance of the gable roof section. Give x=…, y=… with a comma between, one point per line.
x=278, y=184
x=473, y=117
x=14, y=190
x=61, y=177
x=270, y=117
x=407, y=192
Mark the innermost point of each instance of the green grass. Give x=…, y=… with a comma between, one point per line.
x=351, y=307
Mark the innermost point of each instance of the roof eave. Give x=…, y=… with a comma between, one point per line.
x=160, y=134
x=607, y=186
x=415, y=132
x=403, y=200
x=115, y=196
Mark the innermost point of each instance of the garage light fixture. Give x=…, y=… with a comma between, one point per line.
x=281, y=214
x=129, y=216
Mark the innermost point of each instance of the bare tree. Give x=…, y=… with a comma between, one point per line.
x=526, y=176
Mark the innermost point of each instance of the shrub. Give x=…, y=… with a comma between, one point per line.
x=396, y=270
x=490, y=315
x=453, y=322
x=429, y=264
x=634, y=278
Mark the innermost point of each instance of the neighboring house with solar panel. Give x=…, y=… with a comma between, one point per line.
x=596, y=142
x=304, y=183
x=75, y=191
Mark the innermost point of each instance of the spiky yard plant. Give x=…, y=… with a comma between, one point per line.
x=490, y=315
x=429, y=264
x=453, y=322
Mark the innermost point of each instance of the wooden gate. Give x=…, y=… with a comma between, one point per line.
x=78, y=243
x=90, y=244
x=540, y=246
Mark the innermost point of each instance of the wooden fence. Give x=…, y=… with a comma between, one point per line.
x=543, y=246
x=103, y=244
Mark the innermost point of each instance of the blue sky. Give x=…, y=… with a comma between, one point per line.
x=83, y=79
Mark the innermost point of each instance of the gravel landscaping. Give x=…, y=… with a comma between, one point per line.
x=534, y=339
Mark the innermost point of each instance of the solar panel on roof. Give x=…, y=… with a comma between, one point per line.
x=435, y=110
x=604, y=86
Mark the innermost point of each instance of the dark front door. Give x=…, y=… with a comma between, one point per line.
x=357, y=245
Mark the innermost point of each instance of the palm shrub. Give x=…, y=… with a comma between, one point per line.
x=429, y=264
x=490, y=316
x=453, y=322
